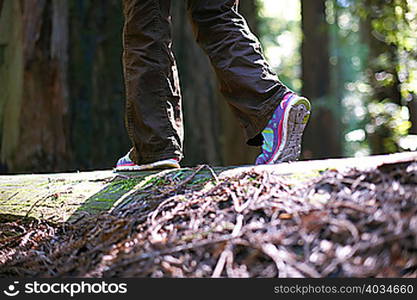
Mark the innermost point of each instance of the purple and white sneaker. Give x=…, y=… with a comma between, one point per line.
x=125, y=164
x=282, y=135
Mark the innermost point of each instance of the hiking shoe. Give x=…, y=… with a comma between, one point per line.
x=126, y=164
x=282, y=135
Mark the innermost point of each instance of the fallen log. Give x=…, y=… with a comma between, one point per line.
x=303, y=219
x=63, y=196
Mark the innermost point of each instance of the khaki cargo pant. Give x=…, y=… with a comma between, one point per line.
x=153, y=105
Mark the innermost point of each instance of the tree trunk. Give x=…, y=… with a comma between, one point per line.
x=382, y=63
x=322, y=135
x=66, y=197
x=388, y=64
x=97, y=92
x=412, y=108
x=34, y=73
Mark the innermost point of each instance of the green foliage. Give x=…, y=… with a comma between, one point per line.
x=373, y=46
x=373, y=60
x=389, y=122
x=281, y=36
x=390, y=71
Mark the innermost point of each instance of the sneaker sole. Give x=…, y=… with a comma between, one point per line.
x=295, y=120
x=153, y=166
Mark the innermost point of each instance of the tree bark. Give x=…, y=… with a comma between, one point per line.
x=35, y=108
x=322, y=135
x=95, y=76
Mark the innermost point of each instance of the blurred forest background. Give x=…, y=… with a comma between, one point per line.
x=62, y=97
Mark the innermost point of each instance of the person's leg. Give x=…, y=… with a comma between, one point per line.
x=271, y=114
x=153, y=99
x=246, y=80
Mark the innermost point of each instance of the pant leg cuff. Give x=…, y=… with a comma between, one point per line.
x=168, y=154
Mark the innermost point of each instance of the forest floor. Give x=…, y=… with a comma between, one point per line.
x=352, y=217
